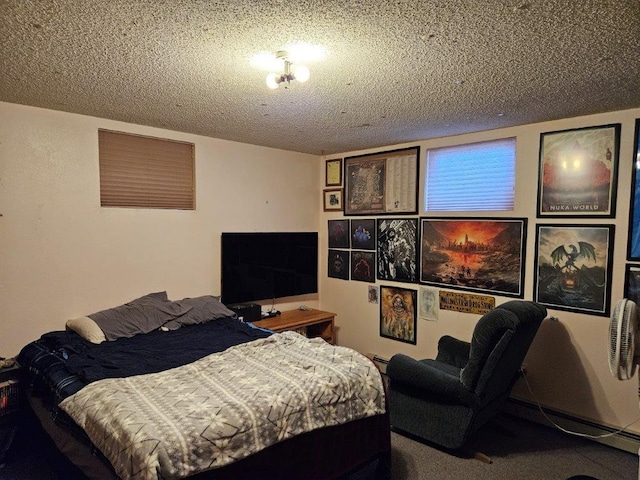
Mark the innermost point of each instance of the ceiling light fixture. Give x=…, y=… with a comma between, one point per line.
x=289, y=63
x=289, y=71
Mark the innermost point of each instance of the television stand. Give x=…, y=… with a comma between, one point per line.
x=310, y=323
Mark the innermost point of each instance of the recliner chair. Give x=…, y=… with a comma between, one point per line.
x=447, y=399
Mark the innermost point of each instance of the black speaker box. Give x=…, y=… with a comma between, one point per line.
x=247, y=312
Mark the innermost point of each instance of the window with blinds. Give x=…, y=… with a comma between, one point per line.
x=145, y=172
x=472, y=177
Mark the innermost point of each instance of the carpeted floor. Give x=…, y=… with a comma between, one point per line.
x=519, y=450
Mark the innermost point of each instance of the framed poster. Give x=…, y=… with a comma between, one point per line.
x=397, y=246
x=338, y=264
x=363, y=266
x=332, y=200
x=398, y=313
x=338, y=233
x=578, y=172
x=478, y=254
x=382, y=183
x=632, y=283
x=633, y=244
x=333, y=172
x=363, y=234
x=573, y=266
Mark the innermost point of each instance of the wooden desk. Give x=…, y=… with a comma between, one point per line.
x=310, y=323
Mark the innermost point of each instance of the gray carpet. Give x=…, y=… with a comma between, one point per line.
x=521, y=450
x=529, y=451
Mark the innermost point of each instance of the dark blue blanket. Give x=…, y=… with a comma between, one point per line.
x=61, y=363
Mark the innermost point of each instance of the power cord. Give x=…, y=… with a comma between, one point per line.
x=579, y=434
x=272, y=311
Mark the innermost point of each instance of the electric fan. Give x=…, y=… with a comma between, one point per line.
x=623, y=329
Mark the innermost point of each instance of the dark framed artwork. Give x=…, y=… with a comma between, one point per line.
x=363, y=234
x=382, y=183
x=632, y=283
x=363, y=266
x=397, y=249
x=573, y=266
x=338, y=264
x=333, y=172
x=398, y=313
x=578, y=171
x=332, y=199
x=633, y=244
x=478, y=254
x=338, y=233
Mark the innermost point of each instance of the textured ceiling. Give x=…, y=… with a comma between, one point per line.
x=394, y=72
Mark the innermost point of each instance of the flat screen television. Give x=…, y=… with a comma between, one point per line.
x=268, y=265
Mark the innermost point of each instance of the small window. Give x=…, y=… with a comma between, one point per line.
x=476, y=176
x=145, y=172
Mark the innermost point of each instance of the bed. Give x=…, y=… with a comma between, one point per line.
x=186, y=390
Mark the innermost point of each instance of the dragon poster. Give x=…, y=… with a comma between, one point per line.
x=573, y=267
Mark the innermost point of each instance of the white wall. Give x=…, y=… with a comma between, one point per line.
x=567, y=363
x=63, y=256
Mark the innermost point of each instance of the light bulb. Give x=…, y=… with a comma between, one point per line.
x=301, y=73
x=272, y=81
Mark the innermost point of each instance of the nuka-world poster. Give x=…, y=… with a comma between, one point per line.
x=578, y=172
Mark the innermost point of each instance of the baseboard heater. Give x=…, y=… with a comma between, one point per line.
x=381, y=362
x=626, y=441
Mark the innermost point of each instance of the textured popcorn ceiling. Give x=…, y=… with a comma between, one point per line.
x=395, y=71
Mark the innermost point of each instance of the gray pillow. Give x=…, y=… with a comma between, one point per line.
x=141, y=315
x=199, y=310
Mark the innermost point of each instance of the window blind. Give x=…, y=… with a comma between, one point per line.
x=472, y=177
x=145, y=172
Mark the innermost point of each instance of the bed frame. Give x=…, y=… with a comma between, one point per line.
x=357, y=450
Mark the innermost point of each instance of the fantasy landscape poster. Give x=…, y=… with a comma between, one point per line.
x=474, y=254
x=573, y=267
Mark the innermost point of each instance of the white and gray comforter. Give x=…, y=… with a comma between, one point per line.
x=225, y=406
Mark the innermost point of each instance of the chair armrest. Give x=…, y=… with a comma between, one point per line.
x=428, y=380
x=453, y=351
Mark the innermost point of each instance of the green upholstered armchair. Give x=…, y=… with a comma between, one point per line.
x=445, y=400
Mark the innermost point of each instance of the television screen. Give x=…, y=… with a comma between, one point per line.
x=261, y=266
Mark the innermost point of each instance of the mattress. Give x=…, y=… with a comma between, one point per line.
x=60, y=364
